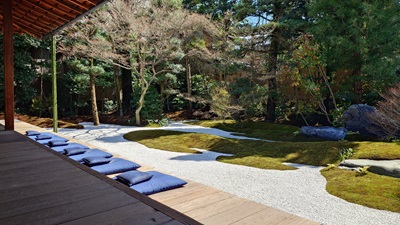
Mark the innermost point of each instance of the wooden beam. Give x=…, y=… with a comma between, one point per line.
x=77, y=10
x=26, y=11
x=8, y=51
x=43, y=11
x=84, y=6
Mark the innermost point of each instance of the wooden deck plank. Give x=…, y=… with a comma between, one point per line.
x=216, y=208
x=234, y=214
x=273, y=217
x=188, y=189
x=71, y=211
x=47, y=200
x=30, y=171
x=20, y=193
x=188, y=198
x=14, y=158
x=122, y=216
x=36, y=167
x=202, y=201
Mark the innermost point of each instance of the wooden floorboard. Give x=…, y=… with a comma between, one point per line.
x=202, y=203
x=121, y=216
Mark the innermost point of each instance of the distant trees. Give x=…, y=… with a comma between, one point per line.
x=249, y=57
x=24, y=72
x=362, y=42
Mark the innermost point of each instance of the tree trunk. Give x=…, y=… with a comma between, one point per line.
x=139, y=108
x=189, y=88
x=272, y=85
x=127, y=91
x=272, y=65
x=358, y=89
x=144, y=87
x=118, y=90
x=95, y=113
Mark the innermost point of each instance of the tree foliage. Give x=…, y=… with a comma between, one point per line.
x=24, y=71
x=362, y=42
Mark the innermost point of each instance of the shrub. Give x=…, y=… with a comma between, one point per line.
x=387, y=116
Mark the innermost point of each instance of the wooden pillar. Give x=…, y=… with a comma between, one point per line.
x=54, y=83
x=8, y=51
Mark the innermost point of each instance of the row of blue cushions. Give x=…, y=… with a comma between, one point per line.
x=144, y=182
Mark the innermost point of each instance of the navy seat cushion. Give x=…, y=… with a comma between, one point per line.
x=57, y=142
x=69, y=151
x=42, y=137
x=35, y=134
x=133, y=177
x=116, y=165
x=31, y=133
x=89, y=153
x=158, y=183
x=52, y=139
x=95, y=160
x=61, y=149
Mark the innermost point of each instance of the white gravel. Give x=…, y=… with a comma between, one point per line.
x=301, y=192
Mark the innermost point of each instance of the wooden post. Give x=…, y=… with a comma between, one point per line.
x=8, y=47
x=54, y=83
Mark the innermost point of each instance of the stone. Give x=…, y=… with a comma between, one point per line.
x=356, y=119
x=382, y=167
x=327, y=133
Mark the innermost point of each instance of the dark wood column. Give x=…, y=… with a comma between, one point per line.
x=8, y=45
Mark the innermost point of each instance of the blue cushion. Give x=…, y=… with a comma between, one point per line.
x=133, y=177
x=31, y=133
x=74, y=150
x=89, y=153
x=57, y=142
x=159, y=182
x=53, y=139
x=95, y=160
x=61, y=149
x=116, y=165
x=42, y=137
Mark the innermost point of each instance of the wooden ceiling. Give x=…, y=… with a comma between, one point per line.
x=40, y=17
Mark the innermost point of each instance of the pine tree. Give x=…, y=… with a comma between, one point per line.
x=362, y=39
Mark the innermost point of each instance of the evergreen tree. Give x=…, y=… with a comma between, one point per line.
x=24, y=71
x=277, y=21
x=362, y=41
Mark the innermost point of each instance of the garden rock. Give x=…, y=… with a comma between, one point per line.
x=382, y=167
x=356, y=118
x=327, y=133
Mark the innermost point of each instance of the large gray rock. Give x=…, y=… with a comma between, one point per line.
x=356, y=118
x=382, y=167
x=327, y=133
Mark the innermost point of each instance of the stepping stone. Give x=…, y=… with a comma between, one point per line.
x=382, y=167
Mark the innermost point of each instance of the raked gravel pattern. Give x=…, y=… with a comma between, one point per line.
x=301, y=192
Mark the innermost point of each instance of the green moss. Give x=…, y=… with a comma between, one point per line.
x=371, y=190
x=261, y=154
x=262, y=130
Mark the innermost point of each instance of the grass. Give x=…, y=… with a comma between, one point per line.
x=371, y=190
